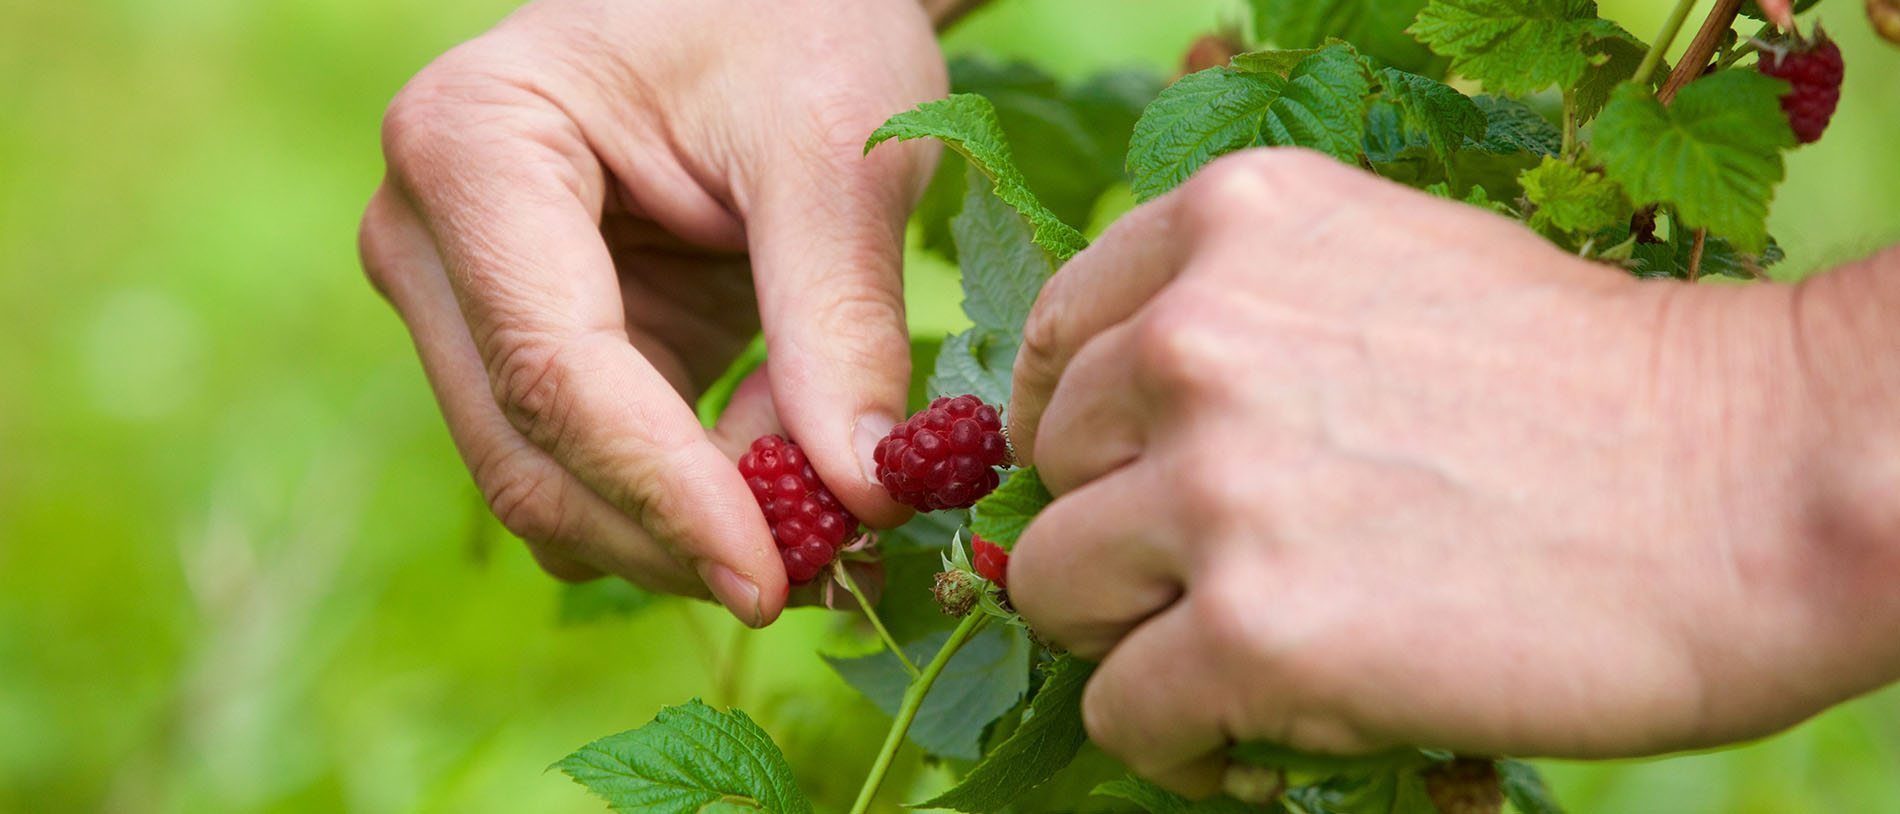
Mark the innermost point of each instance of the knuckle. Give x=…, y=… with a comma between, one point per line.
x=530, y=378
x=527, y=499
x=1177, y=348
x=374, y=237
x=1251, y=182
x=862, y=323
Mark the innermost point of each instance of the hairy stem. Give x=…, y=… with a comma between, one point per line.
x=843, y=575
x=907, y=711
x=1702, y=48
x=1654, y=58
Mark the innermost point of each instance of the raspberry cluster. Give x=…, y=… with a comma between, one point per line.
x=808, y=523
x=1815, y=69
x=945, y=456
x=991, y=561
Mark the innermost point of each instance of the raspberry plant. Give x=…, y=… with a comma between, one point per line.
x=1580, y=131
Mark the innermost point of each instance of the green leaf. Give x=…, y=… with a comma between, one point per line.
x=1447, y=118
x=689, y=758
x=978, y=361
x=1157, y=800
x=1376, y=27
x=1515, y=47
x=1572, y=199
x=1613, y=60
x=1322, y=105
x=982, y=681
x=1752, y=8
x=1476, y=196
x=913, y=554
x=1512, y=126
x=1045, y=743
x=607, y=598
x=967, y=123
x=1279, y=62
x=1077, y=132
x=1714, y=156
x=1195, y=120
x=1001, y=516
x=1003, y=268
x=1525, y=788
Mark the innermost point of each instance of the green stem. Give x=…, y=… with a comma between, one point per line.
x=914, y=700
x=1570, y=124
x=870, y=612
x=1654, y=58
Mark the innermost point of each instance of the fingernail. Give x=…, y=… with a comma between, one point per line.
x=735, y=592
x=869, y=430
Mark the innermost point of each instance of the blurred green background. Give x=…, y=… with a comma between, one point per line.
x=241, y=567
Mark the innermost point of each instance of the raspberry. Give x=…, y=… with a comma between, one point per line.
x=1468, y=785
x=991, y=561
x=1814, y=69
x=956, y=592
x=945, y=456
x=807, y=522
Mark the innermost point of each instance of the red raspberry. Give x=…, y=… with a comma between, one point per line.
x=807, y=522
x=1815, y=70
x=945, y=456
x=991, y=561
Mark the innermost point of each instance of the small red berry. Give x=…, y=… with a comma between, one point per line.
x=808, y=523
x=1814, y=70
x=991, y=561
x=945, y=456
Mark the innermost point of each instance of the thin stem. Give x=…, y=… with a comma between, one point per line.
x=1707, y=41
x=1695, y=254
x=1654, y=58
x=870, y=612
x=913, y=700
x=1570, y=124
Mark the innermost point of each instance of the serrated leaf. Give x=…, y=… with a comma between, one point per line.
x=977, y=361
x=1045, y=743
x=1003, y=268
x=607, y=598
x=1376, y=27
x=1276, y=756
x=1714, y=156
x=967, y=123
x=690, y=758
x=1448, y=119
x=1322, y=105
x=1614, y=58
x=1157, y=800
x=1195, y=120
x=1524, y=786
x=981, y=682
x=1514, y=47
x=1476, y=196
x=1001, y=516
x=1512, y=126
x=1572, y=199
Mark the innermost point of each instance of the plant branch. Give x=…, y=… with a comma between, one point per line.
x=907, y=711
x=1570, y=124
x=843, y=575
x=1654, y=57
x=1701, y=49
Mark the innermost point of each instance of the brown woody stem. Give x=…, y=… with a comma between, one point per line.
x=1701, y=49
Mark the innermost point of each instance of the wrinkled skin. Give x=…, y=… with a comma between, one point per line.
x=590, y=209
x=1344, y=466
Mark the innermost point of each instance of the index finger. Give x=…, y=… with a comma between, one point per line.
x=512, y=198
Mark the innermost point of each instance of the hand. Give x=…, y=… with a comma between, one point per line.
x=1344, y=466
x=582, y=206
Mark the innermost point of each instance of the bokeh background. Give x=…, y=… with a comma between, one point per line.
x=242, y=569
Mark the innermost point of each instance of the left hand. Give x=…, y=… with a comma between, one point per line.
x=1344, y=466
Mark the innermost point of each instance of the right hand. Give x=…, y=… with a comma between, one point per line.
x=581, y=207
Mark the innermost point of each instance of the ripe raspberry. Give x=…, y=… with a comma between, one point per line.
x=945, y=456
x=807, y=522
x=1815, y=70
x=991, y=561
